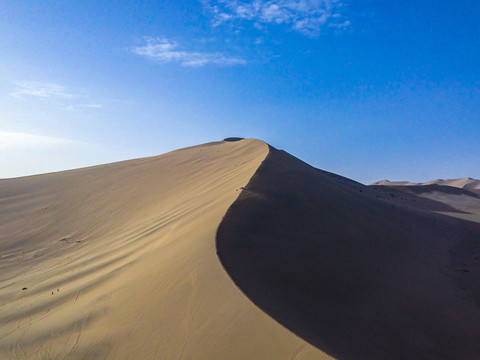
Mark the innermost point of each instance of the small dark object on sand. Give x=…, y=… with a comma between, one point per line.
x=233, y=139
x=24, y=288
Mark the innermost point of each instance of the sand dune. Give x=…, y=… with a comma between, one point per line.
x=458, y=198
x=124, y=261
x=352, y=269
x=119, y=262
x=464, y=183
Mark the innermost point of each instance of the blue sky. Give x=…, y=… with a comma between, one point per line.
x=368, y=89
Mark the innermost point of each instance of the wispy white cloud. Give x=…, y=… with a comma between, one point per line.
x=341, y=25
x=39, y=90
x=304, y=16
x=77, y=107
x=48, y=92
x=165, y=51
x=20, y=140
x=93, y=106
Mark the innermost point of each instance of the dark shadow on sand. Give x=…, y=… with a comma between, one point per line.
x=356, y=276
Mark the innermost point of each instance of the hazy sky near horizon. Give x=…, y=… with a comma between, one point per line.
x=367, y=89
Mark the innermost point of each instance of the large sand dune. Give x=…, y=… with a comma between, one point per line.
x=357, y=271
x=124, y=261
x=119, y=262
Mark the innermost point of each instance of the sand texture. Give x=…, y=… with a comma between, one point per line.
x=119, y=262
x=235, y=250
x=360, y=272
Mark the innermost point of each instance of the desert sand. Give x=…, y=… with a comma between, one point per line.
x=467, y=183
x=359, y=272
x=235, y=250
x=457, y=197
x=119, y=262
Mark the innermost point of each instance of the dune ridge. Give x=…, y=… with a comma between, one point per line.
x=235, y=250
x=357, y=274
x=119, y=262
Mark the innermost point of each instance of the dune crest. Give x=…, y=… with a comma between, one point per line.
x=119, y=262
x=352, y=270
x=124, y=261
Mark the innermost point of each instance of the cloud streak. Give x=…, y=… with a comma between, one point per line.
x=20, y=140
x=51, y=93
x=304, y=16
x=166, y=51
x=39, y=90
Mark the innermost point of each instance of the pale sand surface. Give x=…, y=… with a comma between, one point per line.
x=360, y=272
x=460, y=198
x=119, y=262
x=463, y=183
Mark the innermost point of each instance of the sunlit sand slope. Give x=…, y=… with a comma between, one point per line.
x=119, y=262
x=355, y=270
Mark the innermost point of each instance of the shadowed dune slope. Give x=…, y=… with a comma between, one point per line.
x=358, y=275
x=469, y=184
x=454, y=201
x=119, y=262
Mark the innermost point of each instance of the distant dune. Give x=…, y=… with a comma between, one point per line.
x=458, y=197
x=235, y=250
x=464, y=183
